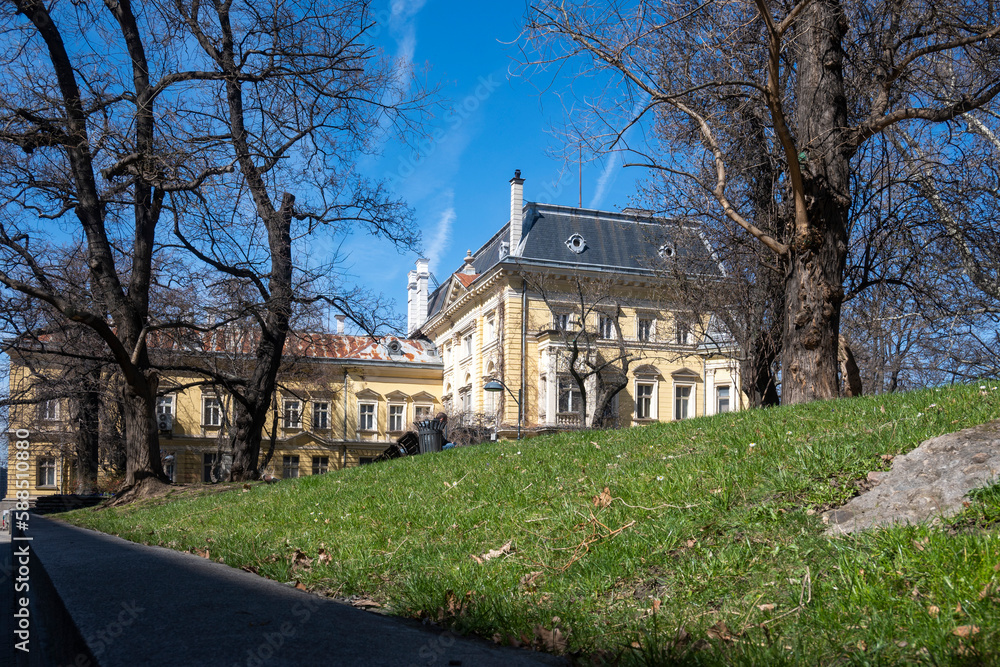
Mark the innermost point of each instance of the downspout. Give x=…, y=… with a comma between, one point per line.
x=343, y=453
x=704, y=383
x=524, y=338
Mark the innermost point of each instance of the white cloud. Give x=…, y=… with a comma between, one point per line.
x=437, y=247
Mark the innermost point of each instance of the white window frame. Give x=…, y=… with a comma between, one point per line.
x=465, y=395
x=50, y=410
x=575, y=397
x=166, y=405
x=205, y=400
x=423, y=411
x=491, y=327
x=324, y=411
x=43, y=466
x=560, y=321
x=368, y=420
x=400, y=416
x=645, y=402
x=291, y=413
x=691, y=403
x=719, y=398
x=682, y=332
x=606, y=327
x=650, y=326
x=467, y=339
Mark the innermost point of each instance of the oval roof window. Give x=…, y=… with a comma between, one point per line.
x=576, y=243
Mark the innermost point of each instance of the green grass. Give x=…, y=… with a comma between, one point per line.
x=711, y=522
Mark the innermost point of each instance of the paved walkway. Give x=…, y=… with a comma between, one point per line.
x=139, y=605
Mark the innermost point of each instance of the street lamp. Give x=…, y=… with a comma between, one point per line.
x=498, y=385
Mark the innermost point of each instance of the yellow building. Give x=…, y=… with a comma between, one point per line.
x=554, y=277
x=343, y=401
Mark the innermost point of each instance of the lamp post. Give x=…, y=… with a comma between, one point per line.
x=498, y=385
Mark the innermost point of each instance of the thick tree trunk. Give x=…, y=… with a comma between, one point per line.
x=759, y=380
x=814, y=284
x=141, y=437
x=88, y=424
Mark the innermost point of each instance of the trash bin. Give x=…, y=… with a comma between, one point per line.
x=431, y=434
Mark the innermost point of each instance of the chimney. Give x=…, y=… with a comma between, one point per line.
x=416, y=295
x=516, y=210
x=340, y=322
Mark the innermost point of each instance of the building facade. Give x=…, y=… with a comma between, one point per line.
x=555, y=279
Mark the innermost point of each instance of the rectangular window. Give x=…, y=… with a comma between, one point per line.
x=644, y=401
x=446, y=354
x=211, y=411
x=289, y=467
x=491, y=327
x=46, y=471
x=466, y=397
x=490, y=402
x=50, y=410
x=208, y=463
x=165, y=405
x=722, y=398
x=366, y=417
x=396, y=416
x=320, y=465
x=421, y=413
x=560, y=321
x=606, y=327
x=293, y=414
x=682, y=402
x=570, y=398
x=467, y=344
x=644, y=330
x=682, y=332
x=321, y=414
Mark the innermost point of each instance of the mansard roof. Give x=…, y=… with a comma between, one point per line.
x=629, y=242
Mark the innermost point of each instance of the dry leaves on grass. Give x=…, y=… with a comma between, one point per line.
x=493, y=553
x=767, y=607
x=965, y=631
x=603, y=499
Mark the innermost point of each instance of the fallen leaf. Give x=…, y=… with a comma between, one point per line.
x=934, y=610
x=882, y=408
x=958, y=608
x=300, y=560
x=552, y=640
x=719, y=631
x=246, y=487
x=203, y=554
x=636, y=645
x=604, y=499
x=656, y=605
x=323, y=557
x=690, y=543
x=918, y=545
x=365, y=603
x=528, y=580
x=902, y=644
x=766, y=607
x=965, y=631
x=861, y=644
x=299, y=585
x=595, y=444
x=493, y=553
x=476, y=558
x=986, y=590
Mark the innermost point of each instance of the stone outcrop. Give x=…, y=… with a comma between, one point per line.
x=931, y=481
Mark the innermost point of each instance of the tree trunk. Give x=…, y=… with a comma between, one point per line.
x=141, y=437
x=87, y=419
x=252, y=412
x=849, y=371
x=814, y=283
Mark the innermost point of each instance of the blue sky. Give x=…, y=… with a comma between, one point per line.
x=490, y=123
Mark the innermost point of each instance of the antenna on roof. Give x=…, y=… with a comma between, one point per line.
x=580, y=163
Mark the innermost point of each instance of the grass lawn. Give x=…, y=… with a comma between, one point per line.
x=707, y=546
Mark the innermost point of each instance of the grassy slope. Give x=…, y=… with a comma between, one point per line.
x=713, y=528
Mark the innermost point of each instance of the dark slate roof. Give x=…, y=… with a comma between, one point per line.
x=627, y=242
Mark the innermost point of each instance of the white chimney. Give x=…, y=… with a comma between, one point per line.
x=340, y=322
x=416, y=295
x=516, y=210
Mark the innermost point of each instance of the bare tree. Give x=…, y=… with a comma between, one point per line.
x=266, y=119
x=831, y=76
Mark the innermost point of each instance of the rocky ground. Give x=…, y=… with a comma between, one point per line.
x=931, y=481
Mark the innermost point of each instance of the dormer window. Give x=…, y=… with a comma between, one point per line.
x=504, y=249
x=667, y=250
x=576, y=243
